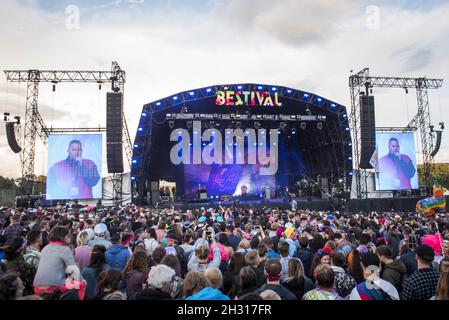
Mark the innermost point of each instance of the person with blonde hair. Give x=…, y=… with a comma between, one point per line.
x=215, y=277
x=443, y=282
x=83, y=250
x=252, y=260
x=198, y=287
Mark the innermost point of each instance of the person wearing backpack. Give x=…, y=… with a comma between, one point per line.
x=374, y=287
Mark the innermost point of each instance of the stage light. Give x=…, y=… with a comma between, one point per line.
x=333, y=105
x=133, y=178
x=350, y=144
x=293, y=131
x=216, y=197
x=136, y=146
x=303, y=125
x=171, y=124
x=350, y=173
x=175, y=98
x=259, y=87
x=192, y=93
x=140, y=129
x=134, y=161
x=190, y=144
x=345, y=115
x=211, y=197
x=204, y=144
x=319, y=125
x=208, y=90
x=274, y=143
x=289, y=91
x=144, y=114
x=239, y=87
x=347, y=129
x=228, y=132
x=279, y=131
x=349, y=158
x=158, y=104
x=319, y=99
x=273, y=89
x=262, y=132
x=306, y=95
x=195, y=132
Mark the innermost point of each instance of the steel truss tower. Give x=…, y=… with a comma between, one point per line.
x=362, y=82
x=34, y=124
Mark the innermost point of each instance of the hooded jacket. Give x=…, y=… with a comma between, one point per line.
x=394, y=272
x=117, y=256
x=208, y=294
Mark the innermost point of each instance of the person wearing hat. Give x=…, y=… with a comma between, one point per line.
x=101, y=233
x=291, y=234
x=422, y=284
x=374, y=287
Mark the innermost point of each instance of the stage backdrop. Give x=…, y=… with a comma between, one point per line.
x=397, y=169
x=74, y=166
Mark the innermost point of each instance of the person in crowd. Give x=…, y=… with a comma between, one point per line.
x=117, y=255
x=442, y=292
x=215, y=277
x=101, y=234
x=374, y=287
x=231, y=277
x=151, y=242
x=15, y=229
x=159, y=280
x=253, y=261
x=273, y=272
x=11, y=287
x=270, y=295
x=199, y=262
x=15, y=263
x=283, y=248
x=344, y=283
x=247, y=281
x=322, y=256
x=305, y=254
x=90, y=273
x=324, y=290
x=232, y=238
x=108, y=286
x=393, y=271
x=56, y=262
x=198, y=287
x=296, y=281
x=291, y=238
x=136, y=272
x=354, y=266
x=83, y=250
x=422, y=284
x=271, y=254
x=33, y=251
x=176, y=284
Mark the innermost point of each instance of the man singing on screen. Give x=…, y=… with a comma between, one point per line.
x=74, y=177
x=395, y=169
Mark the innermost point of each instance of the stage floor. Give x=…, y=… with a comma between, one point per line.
x=281, y=203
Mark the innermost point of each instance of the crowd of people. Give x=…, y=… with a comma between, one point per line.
x=136, y=253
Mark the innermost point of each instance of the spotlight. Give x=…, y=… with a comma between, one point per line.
x=303, y=125
x=432, y=128
x=18, y=120
x=54, y=85
x=293, y=131
x=406, y=90
x=171, y=124
x=99, y=84
x=441, y=125
x=6, y=116
x=319, y=125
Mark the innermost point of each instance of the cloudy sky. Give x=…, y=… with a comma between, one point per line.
x=175, y=45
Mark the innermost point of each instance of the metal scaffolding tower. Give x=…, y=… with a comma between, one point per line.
x=34, y=124
x=360, y=83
